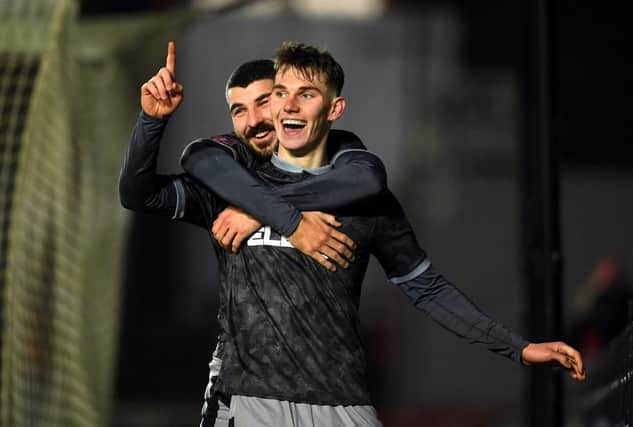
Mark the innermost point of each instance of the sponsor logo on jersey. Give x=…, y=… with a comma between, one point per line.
x=227, y=139
x=266, y=236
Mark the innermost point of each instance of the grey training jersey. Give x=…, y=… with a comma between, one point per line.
x=292, y=328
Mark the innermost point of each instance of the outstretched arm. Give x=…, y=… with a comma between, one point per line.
x=432, y=293
x=408, y=266
x=450, y=308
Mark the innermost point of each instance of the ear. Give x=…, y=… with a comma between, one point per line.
x=337, y=108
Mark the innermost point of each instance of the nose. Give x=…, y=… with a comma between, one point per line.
x=254, y=117
x=291, y=105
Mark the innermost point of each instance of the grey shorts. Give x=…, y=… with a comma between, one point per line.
x=247, y=411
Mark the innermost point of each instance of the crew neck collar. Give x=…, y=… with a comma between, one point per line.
x=291, y=167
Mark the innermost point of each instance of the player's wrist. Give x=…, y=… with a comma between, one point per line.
x=298, y=229
x=293, y=225
x=155, y=118
x=525, y=354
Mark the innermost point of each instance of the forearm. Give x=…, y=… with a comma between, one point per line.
x=140, y=187
x=355, y=175
x=215, y=167
x=449, y=307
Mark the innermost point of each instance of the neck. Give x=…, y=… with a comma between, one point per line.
x=306, y=159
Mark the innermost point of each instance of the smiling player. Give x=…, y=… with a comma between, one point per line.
x=293, y=354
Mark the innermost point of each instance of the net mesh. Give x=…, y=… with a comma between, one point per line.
x=59, y=237
x=608, y=396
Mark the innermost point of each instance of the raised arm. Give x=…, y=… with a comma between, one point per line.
x=140, y=187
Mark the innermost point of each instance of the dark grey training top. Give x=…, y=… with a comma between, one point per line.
x=291, y=327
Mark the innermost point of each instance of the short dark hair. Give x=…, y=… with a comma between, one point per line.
x=310, y=61
x=248, y=72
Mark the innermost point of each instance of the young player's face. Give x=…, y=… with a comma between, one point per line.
x=302, y=110
x=250, y=113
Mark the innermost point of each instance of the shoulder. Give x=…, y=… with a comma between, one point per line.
x=341, y=140
x=227, y=139
x=226, y=143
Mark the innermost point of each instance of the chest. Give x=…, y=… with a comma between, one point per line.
x=268, y=268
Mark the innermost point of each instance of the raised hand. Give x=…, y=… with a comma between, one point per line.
x=557, y=351
x=232, y=226
x=317, y=237
x=161, y=95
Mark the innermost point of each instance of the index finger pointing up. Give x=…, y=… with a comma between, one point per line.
x=171, y=58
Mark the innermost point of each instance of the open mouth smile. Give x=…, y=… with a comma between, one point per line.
x=260, y=132
x=293, y=125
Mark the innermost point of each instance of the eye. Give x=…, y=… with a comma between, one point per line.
x=279, y=94
x=307, y=95
x=238, y=111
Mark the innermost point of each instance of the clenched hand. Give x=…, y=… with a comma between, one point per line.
x=161, y=95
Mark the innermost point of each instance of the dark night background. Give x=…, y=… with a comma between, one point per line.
x=165, y=348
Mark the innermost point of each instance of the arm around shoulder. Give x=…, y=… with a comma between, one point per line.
x=366, y=171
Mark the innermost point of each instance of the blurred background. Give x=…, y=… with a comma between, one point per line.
x=498, y=123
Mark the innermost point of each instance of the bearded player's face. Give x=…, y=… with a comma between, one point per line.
x=251, y=116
